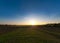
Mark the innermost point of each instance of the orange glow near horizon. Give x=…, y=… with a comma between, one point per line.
x=28, y=20
x=31, y=22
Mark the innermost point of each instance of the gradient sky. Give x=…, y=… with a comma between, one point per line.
x=21, y=11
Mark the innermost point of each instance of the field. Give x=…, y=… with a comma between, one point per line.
x=49, y=33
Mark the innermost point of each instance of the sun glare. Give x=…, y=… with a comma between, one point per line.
x=32, y=22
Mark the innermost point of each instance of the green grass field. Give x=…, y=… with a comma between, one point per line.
x=32, y=34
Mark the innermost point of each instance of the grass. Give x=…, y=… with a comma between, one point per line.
x=30, y=35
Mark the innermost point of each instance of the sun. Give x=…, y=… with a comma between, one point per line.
x=32, y=22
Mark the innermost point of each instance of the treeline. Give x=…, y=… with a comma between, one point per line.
x=52, y=27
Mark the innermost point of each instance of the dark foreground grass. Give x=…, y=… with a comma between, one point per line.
x=29, y=34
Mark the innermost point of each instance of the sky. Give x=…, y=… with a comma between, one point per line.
x=24, y=11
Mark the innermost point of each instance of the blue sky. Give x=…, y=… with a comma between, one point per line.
x=14, y=11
